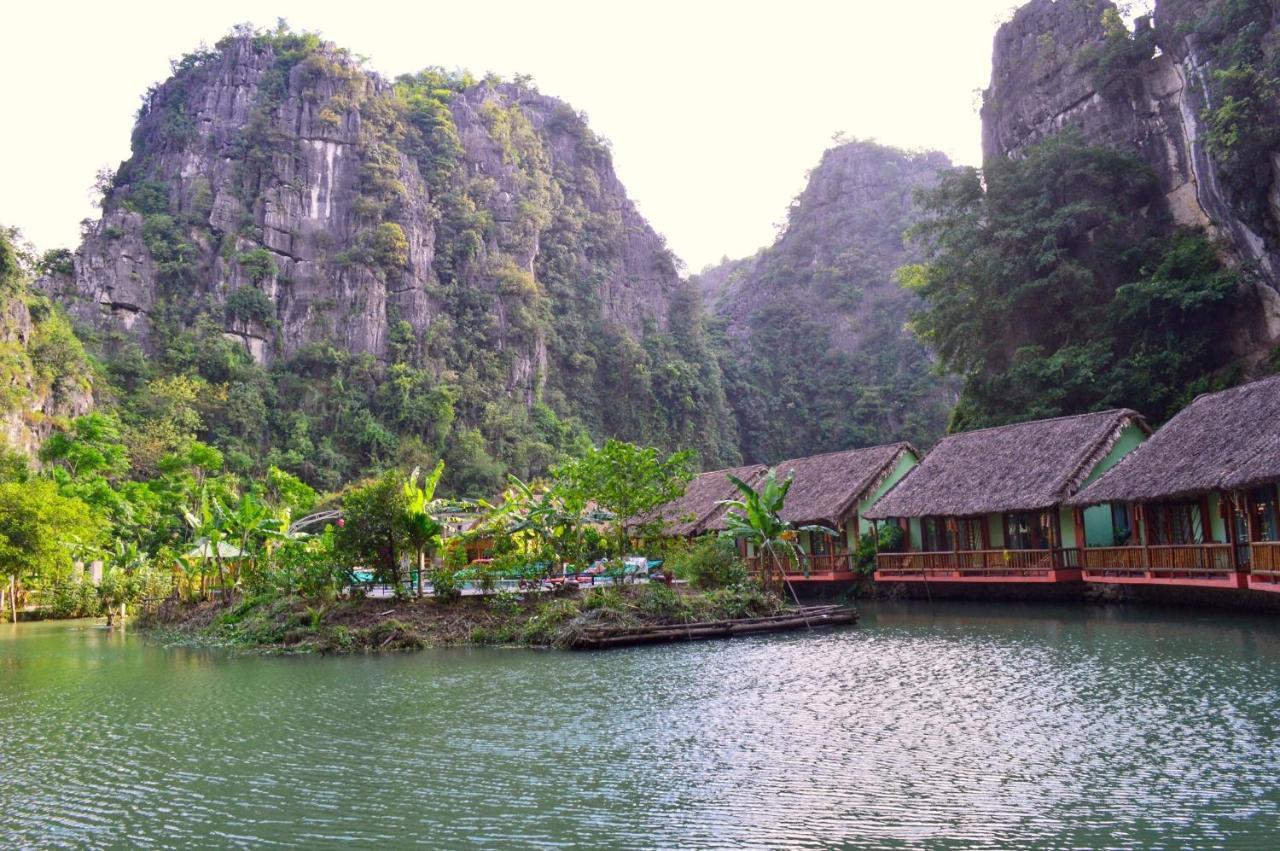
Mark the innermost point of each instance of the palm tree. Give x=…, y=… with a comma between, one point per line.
x=420, y=520
x=757, y=518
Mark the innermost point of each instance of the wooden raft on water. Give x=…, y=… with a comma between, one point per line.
x=595, y=638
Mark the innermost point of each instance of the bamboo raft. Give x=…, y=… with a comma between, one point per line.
x=812, y=617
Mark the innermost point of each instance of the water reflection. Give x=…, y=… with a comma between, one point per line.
x=950, y=725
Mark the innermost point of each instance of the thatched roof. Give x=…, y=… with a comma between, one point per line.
x=1021, y=467
x=825, y=488
x=1221, y=441
x=700, y=503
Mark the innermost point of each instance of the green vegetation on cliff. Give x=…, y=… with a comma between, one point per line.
x=1054, y=284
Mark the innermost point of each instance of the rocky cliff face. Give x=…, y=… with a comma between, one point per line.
x=817, y=353
x=1161, y=90
x=472, y=229
x=44, y=375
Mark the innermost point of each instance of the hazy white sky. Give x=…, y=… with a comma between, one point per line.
x=715, y=109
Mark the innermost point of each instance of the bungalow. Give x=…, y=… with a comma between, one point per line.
x=1201, y=497
x=832, y=490
x=988, y=505
x=688, y=516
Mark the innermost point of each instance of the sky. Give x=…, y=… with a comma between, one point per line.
x=715, y=110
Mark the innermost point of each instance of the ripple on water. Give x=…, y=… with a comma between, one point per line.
x=964, y=726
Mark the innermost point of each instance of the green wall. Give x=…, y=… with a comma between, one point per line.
x=1097, y=519
x=905, y=464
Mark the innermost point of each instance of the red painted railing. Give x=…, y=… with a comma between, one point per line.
x=970, y=564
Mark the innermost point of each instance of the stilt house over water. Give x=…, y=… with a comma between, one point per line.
x=833, y=490
x=989, y=505
x=1199, y=501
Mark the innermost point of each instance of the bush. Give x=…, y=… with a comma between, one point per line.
x=73, y=600
x=551, y=615
x=890, y=542
x=710, y=562
x=446, y=584
x=657, y=600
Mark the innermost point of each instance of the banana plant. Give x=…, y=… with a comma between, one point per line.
x=756, y=517
x=210, y=528
x=420, y=517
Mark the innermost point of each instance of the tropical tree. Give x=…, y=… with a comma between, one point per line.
x=41, y=532
x=626, y=480
x=757, y=518
x=421, y=523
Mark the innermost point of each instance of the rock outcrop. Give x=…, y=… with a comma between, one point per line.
x=44, y=375
x=817, y=353
x=474, y=229
x=1071, y=64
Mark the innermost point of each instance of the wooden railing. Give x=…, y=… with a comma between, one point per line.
x=975, y=563
x=807, y=564
x=1158, y=561
x=1264, y=559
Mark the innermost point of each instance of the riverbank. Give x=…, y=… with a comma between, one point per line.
x=293, y=625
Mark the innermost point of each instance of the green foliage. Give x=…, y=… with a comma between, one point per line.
x=812, y=347
x=258, y=263
x=625, y=480
x=1112, y=64
x=248, y=304
x=57, y=261
x=710, y=562
x=890, y=541
x=756, y=518
x=41, y=530
x=1113, y=307
x=374, y=533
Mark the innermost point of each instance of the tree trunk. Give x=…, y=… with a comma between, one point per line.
x=422, y=573
x=13, y=598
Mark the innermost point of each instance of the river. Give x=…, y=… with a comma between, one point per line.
x=952, y=725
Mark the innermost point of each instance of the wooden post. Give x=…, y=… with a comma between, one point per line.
x=1140, y=526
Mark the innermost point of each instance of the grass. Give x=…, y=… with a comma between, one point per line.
x=290, y=624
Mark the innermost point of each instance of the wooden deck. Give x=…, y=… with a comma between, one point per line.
x=1034, y=566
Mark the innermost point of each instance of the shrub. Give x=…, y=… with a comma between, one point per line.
x=710, y=562
x=551, y=615
x=251, y=305
x=258, y=263
x=890, y=542
x=657, y=600
x=446, y=584
x=73, y=600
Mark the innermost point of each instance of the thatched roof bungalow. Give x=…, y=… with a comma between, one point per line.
x=830, y=490
x=1206, y=481
x=691, y=514
x=994, y=498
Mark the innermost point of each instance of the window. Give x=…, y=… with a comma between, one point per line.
x=819, y=543
x=1171, y=523
x=936, y=538
x=1026, y=531
x=969, y=532
x=1121, y=525
x=1263, y=503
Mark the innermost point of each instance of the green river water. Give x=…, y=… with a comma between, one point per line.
x=952, y=725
